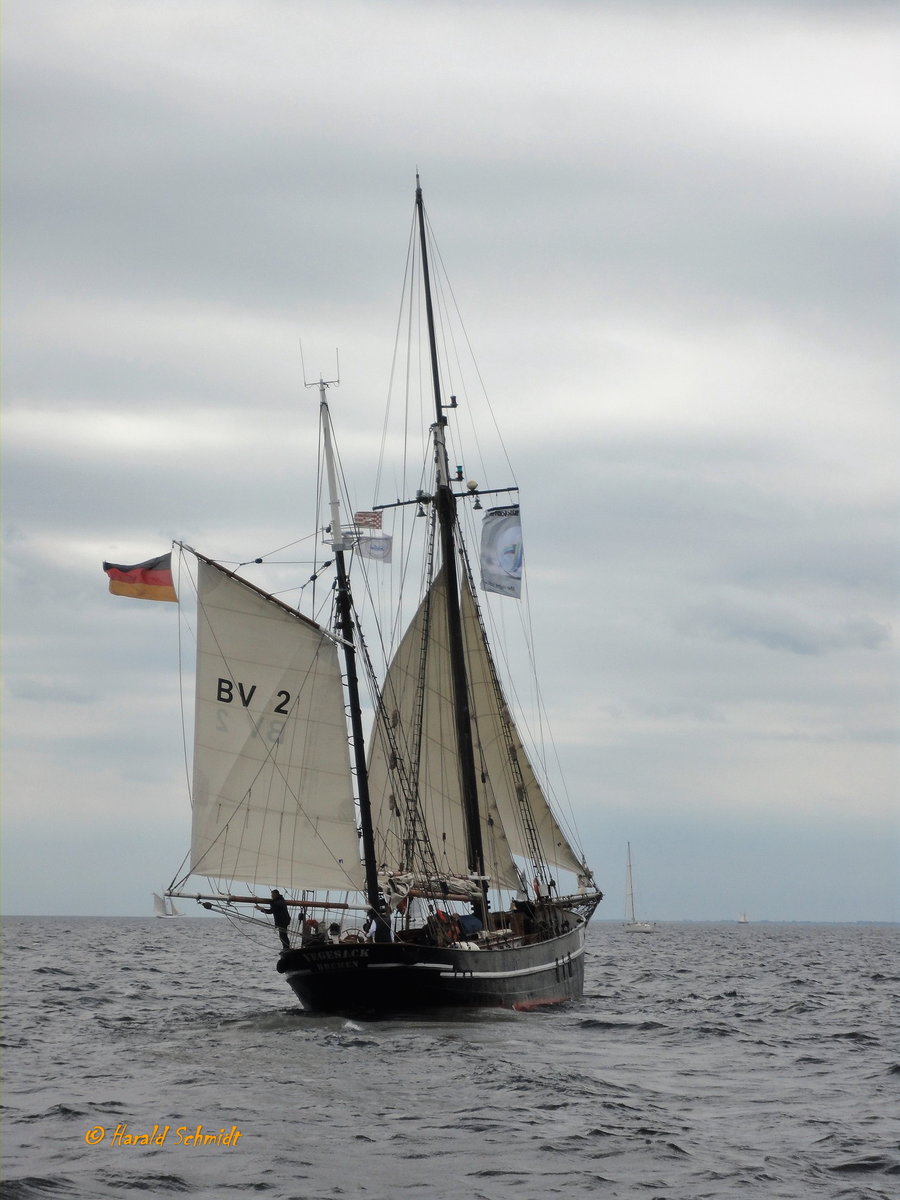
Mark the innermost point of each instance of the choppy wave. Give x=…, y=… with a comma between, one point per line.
x=704, y=1061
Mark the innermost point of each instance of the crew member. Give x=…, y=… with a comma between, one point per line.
x=280, y=915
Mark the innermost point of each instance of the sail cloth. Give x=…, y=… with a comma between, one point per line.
x=504, y=760
x=501, y=551
x=163, y=906
x=273, y=801
x=424, y=652
x=509, y=797
x=150, y=580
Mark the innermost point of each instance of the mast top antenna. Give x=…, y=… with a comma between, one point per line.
x=320, y=382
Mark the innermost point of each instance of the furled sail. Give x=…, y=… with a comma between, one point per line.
x=419, y=675
x=273, y=800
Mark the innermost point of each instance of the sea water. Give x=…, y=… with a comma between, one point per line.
x=169, y=1058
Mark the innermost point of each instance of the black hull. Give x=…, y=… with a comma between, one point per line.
x=402, y=977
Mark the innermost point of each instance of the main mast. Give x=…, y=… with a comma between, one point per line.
x=445, y=503
x=344, y=606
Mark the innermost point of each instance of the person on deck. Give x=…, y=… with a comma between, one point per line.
x=280, y=914
x=378, y=928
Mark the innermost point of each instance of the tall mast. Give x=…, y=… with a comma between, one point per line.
x=345, y=626
x=445, y=503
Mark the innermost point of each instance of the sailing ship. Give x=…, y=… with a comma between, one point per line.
x=164, y=906
x=632, y=925
x=743, y=919
x=423, y=865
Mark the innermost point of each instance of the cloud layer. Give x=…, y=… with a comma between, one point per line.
x=671, y=231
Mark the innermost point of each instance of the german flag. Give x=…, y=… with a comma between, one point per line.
x=150, y=580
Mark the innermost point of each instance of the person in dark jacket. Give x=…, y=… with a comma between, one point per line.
x=280, y=915
x=378, y=927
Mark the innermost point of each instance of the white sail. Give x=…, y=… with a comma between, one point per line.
x=509, y=790
x=273, y=801
x=439, y=792
x=507, y=773
x=629, y=889
x=163, y=906
x=631, y=924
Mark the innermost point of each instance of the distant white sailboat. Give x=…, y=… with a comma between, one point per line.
x=164, y=907
x=632, y=925
x=742, y=919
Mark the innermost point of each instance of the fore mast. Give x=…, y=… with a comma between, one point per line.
x=345, y=626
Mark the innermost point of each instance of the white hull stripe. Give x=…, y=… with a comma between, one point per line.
x=453, y=972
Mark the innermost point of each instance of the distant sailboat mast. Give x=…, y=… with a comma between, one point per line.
x=632, y=925
x=629, y=889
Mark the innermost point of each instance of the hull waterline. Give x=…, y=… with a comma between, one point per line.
x=403, y=977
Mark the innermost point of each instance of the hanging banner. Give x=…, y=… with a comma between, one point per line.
x=378, y=548
x=501, y=551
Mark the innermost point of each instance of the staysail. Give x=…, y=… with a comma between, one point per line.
x=417, y=705
x=273, y=800
x=505, y=767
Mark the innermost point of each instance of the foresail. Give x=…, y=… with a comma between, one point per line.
x=506, y=771
x=419, y=678
x=273, y=801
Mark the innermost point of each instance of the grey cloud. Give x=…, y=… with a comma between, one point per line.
x=43, y=690
x=777, y=628
x=678, y=272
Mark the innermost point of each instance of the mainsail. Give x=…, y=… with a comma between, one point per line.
x=417, y=717
x=273, y=801
x=417, y=705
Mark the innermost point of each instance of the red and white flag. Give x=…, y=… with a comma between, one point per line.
x=368, y=520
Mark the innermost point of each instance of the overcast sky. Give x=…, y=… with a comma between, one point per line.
x=671, y=229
